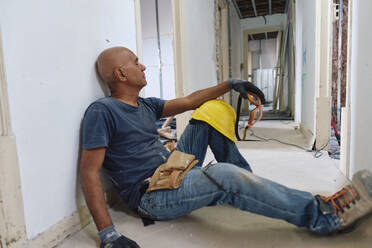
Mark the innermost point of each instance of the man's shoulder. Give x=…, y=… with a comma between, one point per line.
x=152, y=100
x=101, y=103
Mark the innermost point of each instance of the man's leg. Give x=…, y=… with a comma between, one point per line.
x=225, y=183
x=198, y=135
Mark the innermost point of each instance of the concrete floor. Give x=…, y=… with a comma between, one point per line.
x=225, y=226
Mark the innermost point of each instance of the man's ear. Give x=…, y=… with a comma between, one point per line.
x=119, y=75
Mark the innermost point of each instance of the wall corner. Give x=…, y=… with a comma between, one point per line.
x=12, y=224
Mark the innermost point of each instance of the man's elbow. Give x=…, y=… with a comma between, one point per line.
x=190, y=103
x=87, y=174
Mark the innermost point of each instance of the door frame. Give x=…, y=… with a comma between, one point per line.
x=345, y=161
x=323, y=108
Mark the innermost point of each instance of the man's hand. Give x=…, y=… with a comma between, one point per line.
x=243, y=87
x=110, y=238
x=121, y=242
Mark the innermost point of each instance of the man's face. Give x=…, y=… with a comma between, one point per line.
x=134, y=71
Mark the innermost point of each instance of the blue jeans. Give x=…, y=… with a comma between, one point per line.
x=231, y=181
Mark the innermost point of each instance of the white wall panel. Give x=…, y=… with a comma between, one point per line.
x=361, y=87
x=307, y=40
x=50, y=48
x=200, y=48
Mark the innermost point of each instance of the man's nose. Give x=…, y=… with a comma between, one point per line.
x=143, y=67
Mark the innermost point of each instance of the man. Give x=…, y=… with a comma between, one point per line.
x=119, y=133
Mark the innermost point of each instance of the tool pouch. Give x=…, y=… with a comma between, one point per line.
x=170, y=174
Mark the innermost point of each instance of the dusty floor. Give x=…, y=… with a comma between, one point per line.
x=227, y=227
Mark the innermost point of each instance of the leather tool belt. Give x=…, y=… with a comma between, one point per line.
x=170, y=174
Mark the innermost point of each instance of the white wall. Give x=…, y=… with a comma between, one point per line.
x=150, y=48
x=50, y=49
x=305, y=54
x=361, y=87
x=200, y=44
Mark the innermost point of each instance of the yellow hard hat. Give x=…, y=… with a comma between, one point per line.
x=219, y=115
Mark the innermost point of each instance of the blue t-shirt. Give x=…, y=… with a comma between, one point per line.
x=133, y=149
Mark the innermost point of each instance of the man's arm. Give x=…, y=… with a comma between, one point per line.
x=91, y=162
x=194, y=100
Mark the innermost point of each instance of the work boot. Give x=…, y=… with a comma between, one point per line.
x=352, y=202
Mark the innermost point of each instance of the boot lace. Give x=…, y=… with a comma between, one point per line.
x=342, y=198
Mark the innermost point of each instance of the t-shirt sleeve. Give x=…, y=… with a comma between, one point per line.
x=157, y=105
x=97, y=127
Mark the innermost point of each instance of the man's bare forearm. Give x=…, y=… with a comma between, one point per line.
x=198, y=97
x=194, y=100
x=94, y=196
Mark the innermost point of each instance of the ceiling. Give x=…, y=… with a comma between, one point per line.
x=253, y=8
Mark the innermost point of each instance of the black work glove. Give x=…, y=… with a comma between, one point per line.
x=121, y=242
x=243, y=87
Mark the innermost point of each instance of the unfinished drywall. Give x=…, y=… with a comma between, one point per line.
x=361, y=87
x=200, y=44
x=291, y=85
x=235, y=34
x=306, y=60
x=50, y=49
x=236, y=48
x=343, y=60
x=299, y=61
x=150, y=48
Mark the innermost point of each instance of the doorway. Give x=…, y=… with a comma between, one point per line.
x=157, y=48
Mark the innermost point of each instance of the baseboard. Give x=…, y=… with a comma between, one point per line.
x=56, y=234
x=70, y=225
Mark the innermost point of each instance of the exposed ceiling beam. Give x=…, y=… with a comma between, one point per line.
x=270, y=8
x=254, y=7
x=251, y=37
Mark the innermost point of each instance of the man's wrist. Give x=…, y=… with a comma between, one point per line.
x=230, y=83
x=109, y=234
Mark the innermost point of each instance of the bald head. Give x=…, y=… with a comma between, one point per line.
x=110, y=59
x=120, y=69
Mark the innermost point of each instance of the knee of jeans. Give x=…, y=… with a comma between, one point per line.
x=233, y=178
